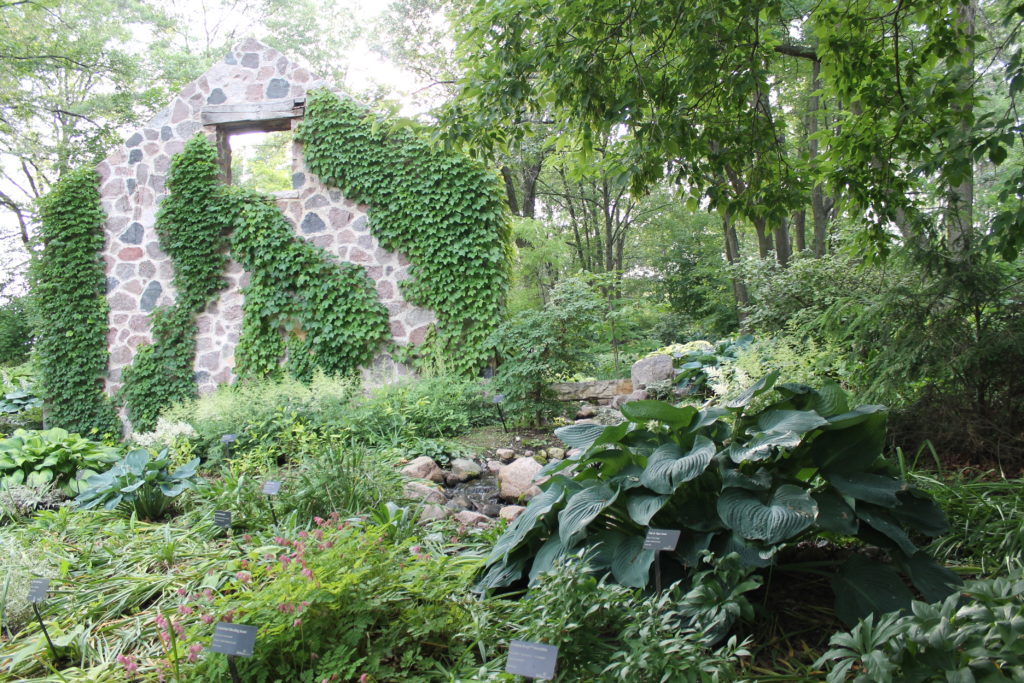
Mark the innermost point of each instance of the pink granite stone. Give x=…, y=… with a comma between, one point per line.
x=385, y=290
x=359, y=256
x=346, y=237
x=209, y=361
x=139, y=323
x=130, y=254
x=181, y=111
x=397, y=330
x=132, y=287
x=137, y=340
x=120, y=356
x=418, y=335
x=254, y=93
x=151, y=148
x=122, y=302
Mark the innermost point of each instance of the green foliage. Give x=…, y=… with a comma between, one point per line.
x=68, y=286
x=15, y=332
x=51, y=458
x=138, y=483
x=974, y=636
x=695, y=360
x=329, y=313
x=444, y=212
x=539, y=347
x=190, y=226
x=807, y=466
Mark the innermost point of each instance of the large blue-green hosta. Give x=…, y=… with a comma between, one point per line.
x=806, y=466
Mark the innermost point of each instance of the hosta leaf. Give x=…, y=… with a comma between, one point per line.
x=759, y=387
x=830, y=400
x=527, y=520
x=631, y=564
x=781, y=421
x=642, y=411
x=690, y=547
x=834, y=514
x=579, y=436
x=881, y=522
x=864, y=587
x=644, y=505
x=581, y=509
x=871, y=488
x=855, y=416
x=187, y=470
x=135, y=461
x=933, y=580
x=502, y=574
x=545, y=559
x=668, y=466
x=920, y=514
x=789, y=511
x=39, y=478
x=762, y=445
x=761, y=480
x=750, y=555
x=173, y=489
x=850, y=449
x=708, y=416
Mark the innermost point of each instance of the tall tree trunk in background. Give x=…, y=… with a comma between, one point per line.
x=959, y=217
x=732, y=255
x=821, y=205
x=800, y=230
x=783, y=248
x=521, y=192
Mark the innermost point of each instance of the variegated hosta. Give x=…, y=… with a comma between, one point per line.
x=806, y=466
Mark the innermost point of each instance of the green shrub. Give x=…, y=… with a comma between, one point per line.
x=15, y=332
x=976, y=636
x=805, y=467
x=52, y=457
x=539, y=347
x=139, y=484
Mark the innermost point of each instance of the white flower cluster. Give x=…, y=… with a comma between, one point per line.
x=165, y=434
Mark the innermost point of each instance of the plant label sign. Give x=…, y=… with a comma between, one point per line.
x=235, y=640
x=661, y=539
x=533, y=660
x=498, y=398
x=272, y=488
x=222, y=518
x=37, y=590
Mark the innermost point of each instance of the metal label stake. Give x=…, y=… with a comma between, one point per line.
x=233, y=640
x=36, y=594
x=497, y=400
x=660, y=540
x=271, y=489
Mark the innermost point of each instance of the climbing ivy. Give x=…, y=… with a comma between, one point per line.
x=446, y=213
x=68, y=293
x=299, y=303
x=191, y=228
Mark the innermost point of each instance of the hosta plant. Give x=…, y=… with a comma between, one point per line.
x=139, y=483
x=807, y=467
x=52, y=457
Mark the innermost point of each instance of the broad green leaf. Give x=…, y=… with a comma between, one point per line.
x=643, y=411
x=136, y=461
x=871, y=488
x=761, y=480
x=830, y=400
x=851, y=449
x=173, y=489
x=762, y=446
x=750, y=555
x=186, y=471
x=549, y=553
x=631, y=564
x=581, y=509
x=933, y=580
x=884, y=524
x=642, y=506
x=759, y=387
x=855, y=416
x=502, y=574
x=920, y=514
x=525, y=522
x=669, y=467
x=789, y=510
x=834, y=514
x=782, y=421
x=863, y=586
x=579, y=436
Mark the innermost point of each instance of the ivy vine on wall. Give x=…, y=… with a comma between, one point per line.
x=68, y=286
x=299, y=303
x=191, y=230
x=445, y=212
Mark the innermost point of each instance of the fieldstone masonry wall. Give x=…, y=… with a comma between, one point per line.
x=132, y=184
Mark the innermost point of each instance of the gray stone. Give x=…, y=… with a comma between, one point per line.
x=135, y=156
x=131, y=184
x=298, y=180
x=278, y=88
x=133, y=141
x=510, y=512
x=185, y=129
x=312, y=223
x=470, y=518
x=586, y=410
x=133, y=234
x=556, y=453
x=433, y=513
x=216, y=96
x=166, y=133
x=591, y=391
x=201, y=377
x=250, y=60
x=460, y=502
x=112, y=283
x=464, y=469
x=230, y=58
x=150, y=296
x=515, y=481
x=493, y=466
x=638, y=395
x=359, y=223
x=316, y=202
x=418, y=490
x=424, y=467
x=491, y=509
x=652, y=369
x=505, y=454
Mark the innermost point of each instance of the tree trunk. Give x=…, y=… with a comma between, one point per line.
x=783, y=249
x=732, y=255
x=960, y=209
x=800, y=230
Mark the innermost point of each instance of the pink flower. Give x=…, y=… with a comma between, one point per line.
x=229, y=616
x=208, y=593
x=319, y=521
x=178, y=629
x=184, y=610
x=308, y=573
x=247, y=538
x=303, y=534
x=128, y=662
x=415, y=550
x=207, y=618
x=284, y=560
x=161, y=622
x=244, y=577
x=193, y=651
x=182, y=592
x=297, y=622
x=363, y=678
x=280, y=541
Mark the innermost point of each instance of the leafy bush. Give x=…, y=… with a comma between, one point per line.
x=805, y=467
x=696, y=362
x=138, y=483
x=15, y=332
x=54, y=457
x=977, y=636
x=537, y=347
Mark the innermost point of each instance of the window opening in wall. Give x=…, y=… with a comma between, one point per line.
x=262, y=160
